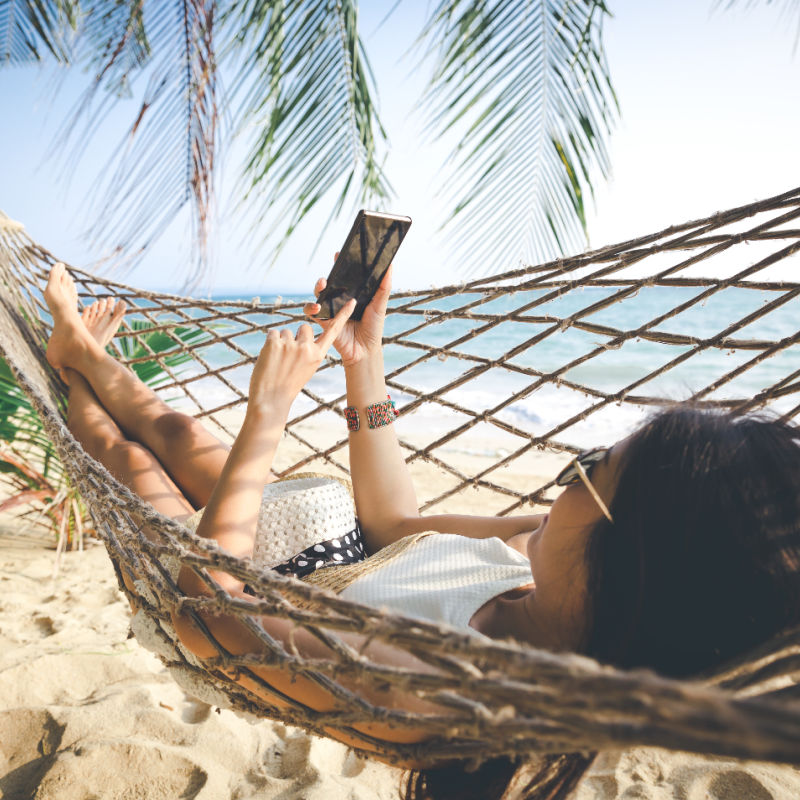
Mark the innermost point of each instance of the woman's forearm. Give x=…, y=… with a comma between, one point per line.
x=383, y=490
x=473, y=526
x=231, y=516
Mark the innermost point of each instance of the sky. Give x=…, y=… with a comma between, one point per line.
x=709, y=119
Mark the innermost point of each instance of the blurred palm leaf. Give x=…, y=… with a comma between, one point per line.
x=529, y=84
x=114, y=44
x=28, y=29
x=158, y=342
x=789, y=9
x=167, y=158
x=31, y=474
x=21, y=428
x=305, y=85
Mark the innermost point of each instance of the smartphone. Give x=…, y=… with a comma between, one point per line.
x=362, y=262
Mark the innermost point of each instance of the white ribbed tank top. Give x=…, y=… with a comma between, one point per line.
x=443, y=578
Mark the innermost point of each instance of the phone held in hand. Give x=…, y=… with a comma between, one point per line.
x=362, y=262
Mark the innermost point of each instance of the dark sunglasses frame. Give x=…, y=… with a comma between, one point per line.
x=587, y=459
x=577, y=471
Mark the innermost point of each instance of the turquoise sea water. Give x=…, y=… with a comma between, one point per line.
x=549, y=405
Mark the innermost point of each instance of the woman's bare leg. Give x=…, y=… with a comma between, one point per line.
x=190, y=454
x=129, y=462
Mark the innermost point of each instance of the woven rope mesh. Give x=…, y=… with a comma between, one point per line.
x=581, y=347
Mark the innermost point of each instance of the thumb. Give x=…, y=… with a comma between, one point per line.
x=327, y=338
x=381, y=298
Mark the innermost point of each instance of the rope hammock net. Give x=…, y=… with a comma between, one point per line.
x=623, y=320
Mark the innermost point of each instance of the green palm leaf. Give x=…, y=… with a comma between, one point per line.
x=306, y=86
x=28, y=29
x=528, y=83
x=159, y=342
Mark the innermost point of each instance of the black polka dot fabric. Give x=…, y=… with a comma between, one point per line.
x=347, y=549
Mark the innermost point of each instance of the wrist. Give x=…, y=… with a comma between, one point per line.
x=269, y=411
x=366, y=355
x=365, y=381
x=370, y=365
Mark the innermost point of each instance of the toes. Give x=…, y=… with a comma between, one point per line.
x=54, y=278
x=67, y=284
x=60, y=291
x=119, y=311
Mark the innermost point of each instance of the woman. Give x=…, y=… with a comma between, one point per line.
x=675, y=549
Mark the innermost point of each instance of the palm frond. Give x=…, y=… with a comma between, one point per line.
x=790, y=10
x=169, y=345
x=114, y=44
x=167, y=157
x=306, y=87
x=29, y=29
x=529, y=84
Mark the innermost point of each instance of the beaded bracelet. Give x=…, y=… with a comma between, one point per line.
x=378, y=415
x=351, y=415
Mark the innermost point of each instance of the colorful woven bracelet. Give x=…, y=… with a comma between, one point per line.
x=351, y=415
x=380, y=414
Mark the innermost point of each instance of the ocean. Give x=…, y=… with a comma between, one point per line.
x=548, y=407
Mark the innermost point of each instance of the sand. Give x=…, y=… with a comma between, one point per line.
x=85, y=712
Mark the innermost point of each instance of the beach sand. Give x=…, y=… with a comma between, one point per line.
x=85, y=712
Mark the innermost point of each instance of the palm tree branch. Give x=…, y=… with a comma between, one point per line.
x=527, y=86
x=28, y=29
x=317, y=123
x=114, y=44
x=166, y=160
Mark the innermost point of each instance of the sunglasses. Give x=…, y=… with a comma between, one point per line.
x=578, y=471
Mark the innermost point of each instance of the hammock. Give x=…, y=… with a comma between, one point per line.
x=442, y=346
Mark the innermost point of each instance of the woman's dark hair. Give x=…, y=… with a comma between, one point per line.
x=701, y=563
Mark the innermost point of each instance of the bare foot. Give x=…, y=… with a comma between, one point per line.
x=70, y=339
x=103, y=318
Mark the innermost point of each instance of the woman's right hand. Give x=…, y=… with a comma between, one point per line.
x=358, y=338
x=287, y=362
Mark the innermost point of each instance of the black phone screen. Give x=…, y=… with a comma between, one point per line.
x=366, y=255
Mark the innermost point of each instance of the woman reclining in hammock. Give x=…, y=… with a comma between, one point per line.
x=674, y=549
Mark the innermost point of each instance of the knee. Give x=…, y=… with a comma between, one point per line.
x=97, y=441
x=175, y=427
x=125, y=458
